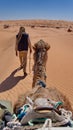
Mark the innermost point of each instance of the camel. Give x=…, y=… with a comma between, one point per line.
x=40, y=58
x=39, y=87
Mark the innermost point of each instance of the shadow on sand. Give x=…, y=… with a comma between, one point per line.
x=10, y=81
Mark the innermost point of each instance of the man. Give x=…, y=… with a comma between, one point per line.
x=22, y=44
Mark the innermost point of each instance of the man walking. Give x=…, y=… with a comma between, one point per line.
x=22, y=44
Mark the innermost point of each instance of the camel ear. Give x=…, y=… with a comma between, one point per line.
x=47, y=46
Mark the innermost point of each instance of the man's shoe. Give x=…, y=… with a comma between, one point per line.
x=25, y=74
x=21, y=67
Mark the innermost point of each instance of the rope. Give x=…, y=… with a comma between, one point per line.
x=29, y=62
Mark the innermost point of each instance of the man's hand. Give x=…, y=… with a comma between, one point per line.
x=16, y=53
x=30, y=50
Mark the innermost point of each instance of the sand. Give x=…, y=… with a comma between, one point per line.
x=59, y=67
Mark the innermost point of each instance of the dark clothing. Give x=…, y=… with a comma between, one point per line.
x=23, y=43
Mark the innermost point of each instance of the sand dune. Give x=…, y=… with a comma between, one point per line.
x=60, y=57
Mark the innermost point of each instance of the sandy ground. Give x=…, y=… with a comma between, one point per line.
x=59, y=65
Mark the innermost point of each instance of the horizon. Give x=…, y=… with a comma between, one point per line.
x=36, y=9
x=36, y=20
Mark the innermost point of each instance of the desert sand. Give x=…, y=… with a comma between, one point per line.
x=59, y=67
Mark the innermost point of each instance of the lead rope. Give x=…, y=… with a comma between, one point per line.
x=47, y=124
x=29, y=62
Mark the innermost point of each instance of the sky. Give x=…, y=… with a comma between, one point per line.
x=36, y=9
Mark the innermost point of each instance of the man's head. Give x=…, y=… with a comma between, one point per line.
x=22, y=29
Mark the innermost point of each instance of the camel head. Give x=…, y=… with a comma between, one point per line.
x=41, y=45
x=40, y=51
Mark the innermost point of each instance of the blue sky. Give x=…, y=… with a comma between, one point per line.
x=36, y=9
